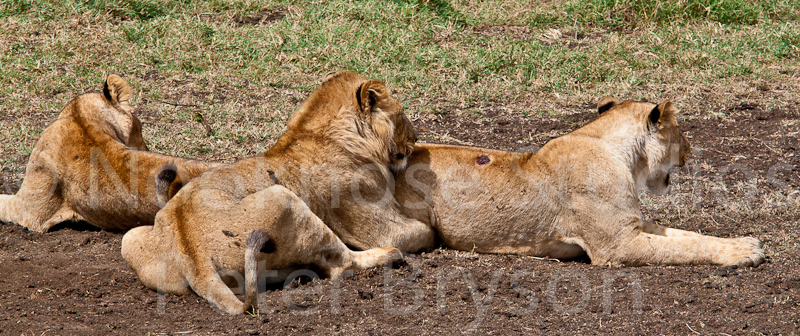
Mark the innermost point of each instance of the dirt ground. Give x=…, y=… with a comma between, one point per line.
x=743, y=180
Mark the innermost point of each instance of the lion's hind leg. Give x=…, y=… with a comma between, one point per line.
x=286, y=233
x=213, y=288
x=168, y=271
x=302, y=237
x=151, y=255
x=35, y=214
x=6, y=208
x=38, y=204
x=15, y=210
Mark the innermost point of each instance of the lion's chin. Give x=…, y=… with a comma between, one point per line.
x=660, y=185
x=398, y=166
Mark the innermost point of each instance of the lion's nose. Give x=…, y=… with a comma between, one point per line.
x=399, y=156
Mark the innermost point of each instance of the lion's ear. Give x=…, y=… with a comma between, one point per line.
x=135, y=139
x=667, y=110
x=330, y=75
x=370, y=94
x=117, y=91
x=662, y=111
x=606, y=103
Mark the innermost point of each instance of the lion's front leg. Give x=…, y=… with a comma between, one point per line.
x=646, y=249
x=625, y=240
x=656, y=229
x=368, y=226
x=408, y=235
x=636, y=248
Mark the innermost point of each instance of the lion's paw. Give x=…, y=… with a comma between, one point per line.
x=375, y=257
x=391, y=254
x=744, y=251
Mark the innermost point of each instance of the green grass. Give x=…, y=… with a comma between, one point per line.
x=638, y=12
x=438, y=56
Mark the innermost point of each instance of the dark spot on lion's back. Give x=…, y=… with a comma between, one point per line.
x=482, y=160
x=273, y=177
x=228, y=233
x=238, y=244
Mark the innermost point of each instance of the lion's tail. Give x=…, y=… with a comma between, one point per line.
x=164, y=178
x=257, y=241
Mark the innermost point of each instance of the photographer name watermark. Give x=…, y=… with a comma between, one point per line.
x=565, y=291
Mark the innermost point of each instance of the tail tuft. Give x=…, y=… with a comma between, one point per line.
x=260, y=240
x=168, y=173
x=164, y=179
x=257, y=241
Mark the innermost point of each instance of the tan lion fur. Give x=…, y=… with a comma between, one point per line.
x=577, y=194
x=329, y=167
x=92, y=165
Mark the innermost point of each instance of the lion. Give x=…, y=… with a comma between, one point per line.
x=576, y=195
x=318, y=191
x=92, y=165
x=566, y=206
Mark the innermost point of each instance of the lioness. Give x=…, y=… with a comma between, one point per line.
x=330, y=165
x=92, y=165
x=577, y=194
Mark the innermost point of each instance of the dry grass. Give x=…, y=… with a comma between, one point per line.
x=246, y=65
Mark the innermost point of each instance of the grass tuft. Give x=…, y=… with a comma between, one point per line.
x=14, y=7
x=133, y=9
x=633, y=13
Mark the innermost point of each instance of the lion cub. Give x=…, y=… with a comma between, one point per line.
x=92, y=165
x=329, y=167
x=576, y=195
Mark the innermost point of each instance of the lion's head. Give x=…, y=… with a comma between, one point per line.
x=663, y=145
x=108, y=114
x=359, y=115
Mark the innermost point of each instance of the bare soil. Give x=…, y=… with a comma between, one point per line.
x=742, y=181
